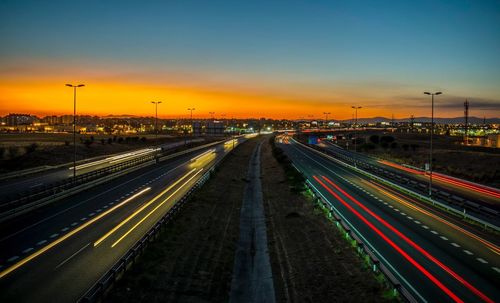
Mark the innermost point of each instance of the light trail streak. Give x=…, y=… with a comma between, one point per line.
x=394, y=196
x=392, y=244
x=141, y=209
x=68, y=235
x=413, y=244
x=154, y=209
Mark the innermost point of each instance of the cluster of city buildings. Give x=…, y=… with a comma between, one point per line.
x=123, y=125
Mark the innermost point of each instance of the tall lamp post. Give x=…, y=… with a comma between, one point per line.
x=74, y=126
x=156, y=119
x=326, y=118
x=432, y=134
x=191, y=109
x=355, y=125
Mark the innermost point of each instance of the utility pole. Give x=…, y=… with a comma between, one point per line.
x=192, y=126
x=432, y=133
x=74, y=127
x=355, y=125
x=156, y=119
x=326, y=118
x=466, y=113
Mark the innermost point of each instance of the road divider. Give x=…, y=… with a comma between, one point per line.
x=408, y=191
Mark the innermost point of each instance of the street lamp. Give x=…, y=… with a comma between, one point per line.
x=74, y=127
x=355, y=125
x=432, y=133
x=156, y=119
x=326, y=118
x=192, y=126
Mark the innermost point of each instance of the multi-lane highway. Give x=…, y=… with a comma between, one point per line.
x=435, y=256
x=479, y=199
x=57, y=253
x=9, y=188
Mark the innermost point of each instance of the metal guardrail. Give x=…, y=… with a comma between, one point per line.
x=68, y=187
x=447, y=207
x=363, y=248
x=98, y=290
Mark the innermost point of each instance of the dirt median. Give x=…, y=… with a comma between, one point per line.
x=192, y=260
x=311, y=261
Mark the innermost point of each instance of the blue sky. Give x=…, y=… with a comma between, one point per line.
x=382, y=52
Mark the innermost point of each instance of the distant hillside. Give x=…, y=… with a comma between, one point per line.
x=472, y=120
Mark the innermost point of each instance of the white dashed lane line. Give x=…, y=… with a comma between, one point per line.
x=42, y=242
x=53, y=235
x=455, y=244
x=74, y=224
x=27, y=250
x=444, y=238
x=416, y=221
x=467, y=252
x=496, y=269
x=434, y=232
x=64, y=229
x=482, y=260
x=83, y=219
x=13, y=258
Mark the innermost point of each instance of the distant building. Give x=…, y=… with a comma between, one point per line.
x=19, y=119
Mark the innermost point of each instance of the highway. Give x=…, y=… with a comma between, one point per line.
x=55, y=254
x=435, y=256
x=482, y=195
x=9, y=188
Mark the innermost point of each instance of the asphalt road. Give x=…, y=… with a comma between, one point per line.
x=57, y=253
x=441, y=184
x=436, y=257
x=10, y=187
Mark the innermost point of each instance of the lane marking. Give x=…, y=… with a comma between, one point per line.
x=434, y=232
x=496, y=269
x=13, y=258
x=41, y=242
x=154, y=209
x=73, y=255
x=482, y=260
x=53, y=235
x=142, y=208
x=27, y=250
x=64, y=229
x=468, y=252
x=66, y=236
x=455, y=244
x=444, y=238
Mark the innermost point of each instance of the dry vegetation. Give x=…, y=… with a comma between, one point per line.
x=478, y=164
x=311, y=261
x=193, y=259
x=23, y=151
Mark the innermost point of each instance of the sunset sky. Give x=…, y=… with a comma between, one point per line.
x=276, y=59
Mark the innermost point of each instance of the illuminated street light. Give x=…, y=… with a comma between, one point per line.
x=355, y=126
x=74, y=126
x=326, y=118
x=432, y=133
x=156, y=119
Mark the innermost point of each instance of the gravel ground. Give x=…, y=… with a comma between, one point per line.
x=311, y=261
x=192, y=260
